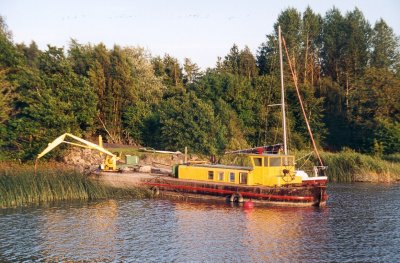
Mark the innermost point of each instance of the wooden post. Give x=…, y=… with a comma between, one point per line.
x=186, y=154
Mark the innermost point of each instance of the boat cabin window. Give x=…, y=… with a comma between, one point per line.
x=221, y=176
x=265, y=161
x=275, y=161
x=232, y=177
x=257, y=161
x=243, y=178
x=210, y=175
x=288, y=161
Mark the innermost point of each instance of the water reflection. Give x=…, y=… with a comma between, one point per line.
x=361, y=223
x=259, y=235
x=88, y=234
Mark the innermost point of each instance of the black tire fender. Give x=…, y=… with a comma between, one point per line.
x=236, y=198
x=155, y=190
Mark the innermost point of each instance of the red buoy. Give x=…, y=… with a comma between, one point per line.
x=248, y=204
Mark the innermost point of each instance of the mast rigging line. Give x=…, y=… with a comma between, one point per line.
x=285, y=148
x=294, y=75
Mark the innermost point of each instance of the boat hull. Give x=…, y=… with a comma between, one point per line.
x=300, y=195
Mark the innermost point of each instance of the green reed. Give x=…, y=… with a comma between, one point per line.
x=20, y=186
x=350, y=166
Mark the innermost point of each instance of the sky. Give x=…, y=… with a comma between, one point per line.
x=201, y=30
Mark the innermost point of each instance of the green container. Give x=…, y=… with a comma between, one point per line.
x=132, y=159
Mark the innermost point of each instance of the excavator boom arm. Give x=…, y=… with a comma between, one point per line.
x=52, y=145
x=86, y=144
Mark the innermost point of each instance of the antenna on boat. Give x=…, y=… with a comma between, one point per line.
x=285, y=149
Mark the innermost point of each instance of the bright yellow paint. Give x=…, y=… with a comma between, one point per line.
x=266, y=170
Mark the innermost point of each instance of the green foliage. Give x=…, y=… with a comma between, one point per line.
x=356, y=49
x=333, y=36
x=5, y=97
x=394, y=158
x=240, y=62
x=375, y=110
x=9, y=55
x=140, y=112
x=348, y=74
x=192, y=72
x=267, y=56
x=387, y=135
x=385, y=45
x=128, y=91
x=30, y=53
x=291, y=23
x=187, y=121
x=314, y=110
x=51, y=100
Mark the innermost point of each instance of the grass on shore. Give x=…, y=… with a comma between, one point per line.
x=20, y=186
x=350, y=166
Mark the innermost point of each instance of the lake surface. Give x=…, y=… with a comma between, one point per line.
x=361, y=223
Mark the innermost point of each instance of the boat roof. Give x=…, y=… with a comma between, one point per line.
x=270, y=149
x=222, y=166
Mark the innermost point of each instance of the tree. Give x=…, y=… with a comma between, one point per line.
x=346, y=48
x=311, y=39
x=314, y=111
x=140, y=115
x=188, y=121
x=31, y=53
x=247, y=62
x=375, y=103
x=230, y=132
x=290, y=22
x=231, y=62
x=73, y=98
x=192, y=72
x=356, y=53
x=9, y=55
x=5, y=97
x=111, y=77
x=173, y=71
x=385, y=47
x=81, y=57
x=5, y=104
x=267, y=56
x=333, y=37
x=387, y=136
x=239, y=62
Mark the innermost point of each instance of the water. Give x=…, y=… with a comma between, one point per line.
x=360, y=224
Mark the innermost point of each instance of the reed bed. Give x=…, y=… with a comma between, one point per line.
x=20, y=186
x=350, y=166
x=392, y=158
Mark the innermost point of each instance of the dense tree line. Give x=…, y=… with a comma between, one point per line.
x=348, y=72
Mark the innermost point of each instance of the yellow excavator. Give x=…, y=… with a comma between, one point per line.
x=109, y=163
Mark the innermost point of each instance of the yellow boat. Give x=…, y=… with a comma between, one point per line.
x=270, y=179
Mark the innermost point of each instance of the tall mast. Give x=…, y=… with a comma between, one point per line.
x=282, y=94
